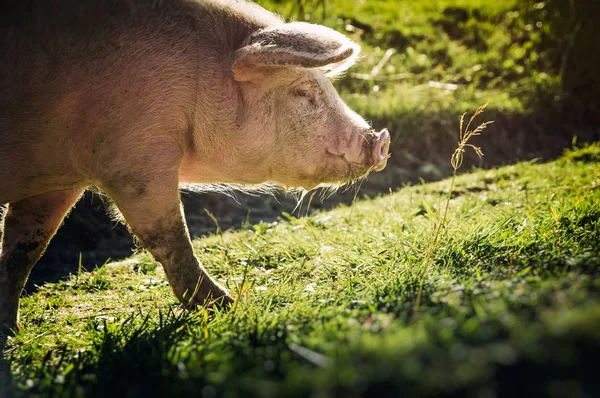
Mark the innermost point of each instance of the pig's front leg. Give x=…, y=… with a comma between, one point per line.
x=152, y=208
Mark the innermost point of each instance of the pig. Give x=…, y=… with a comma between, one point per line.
x=136, y=97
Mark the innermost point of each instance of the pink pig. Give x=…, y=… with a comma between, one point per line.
x=139, y=96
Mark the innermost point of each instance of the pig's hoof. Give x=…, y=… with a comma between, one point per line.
x=218, y=297
x=218, y=300
x=223, y=302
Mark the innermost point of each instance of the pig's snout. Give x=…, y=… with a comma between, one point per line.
x=380, y=145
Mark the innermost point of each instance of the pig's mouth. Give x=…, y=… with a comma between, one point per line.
x=372, y=158
x=339, y=168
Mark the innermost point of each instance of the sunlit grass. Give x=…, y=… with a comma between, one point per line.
x=327, y=303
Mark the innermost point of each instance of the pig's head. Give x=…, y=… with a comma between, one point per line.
x=306, y=135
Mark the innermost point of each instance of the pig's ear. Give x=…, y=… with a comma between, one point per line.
x=296, y=44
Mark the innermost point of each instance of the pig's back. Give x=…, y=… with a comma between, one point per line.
x=53, y=48
x=44, y=40
x=41, y=38
x=71, y=70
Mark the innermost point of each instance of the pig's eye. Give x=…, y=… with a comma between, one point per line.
x=301, y=93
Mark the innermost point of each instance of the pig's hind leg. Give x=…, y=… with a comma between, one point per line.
x=155, y=216
x=29, y=224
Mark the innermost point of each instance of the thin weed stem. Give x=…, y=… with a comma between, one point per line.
x=456, y=161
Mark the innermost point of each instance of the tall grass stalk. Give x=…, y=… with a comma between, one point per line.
x=456, y=160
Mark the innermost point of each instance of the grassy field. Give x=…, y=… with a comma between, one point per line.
x=346, y=302
x=379, y=298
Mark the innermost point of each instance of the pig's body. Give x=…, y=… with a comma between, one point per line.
x=138, y=96
x=76, y=111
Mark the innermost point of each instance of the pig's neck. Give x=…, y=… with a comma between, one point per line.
x=233, y=139
x=221, y=168
x=232, y=135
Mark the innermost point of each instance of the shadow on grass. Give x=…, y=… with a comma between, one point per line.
x=174, y=358
x=7, y=389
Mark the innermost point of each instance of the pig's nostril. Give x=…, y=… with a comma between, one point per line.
x=384, y=149
x=381, y=145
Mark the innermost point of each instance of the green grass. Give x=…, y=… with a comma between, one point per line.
x=494, y=50
x=326, y=304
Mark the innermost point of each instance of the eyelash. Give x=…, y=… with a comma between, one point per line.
x=301, y=93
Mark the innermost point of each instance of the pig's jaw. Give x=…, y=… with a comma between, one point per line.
x=336, y=173
x=213, y=178
x=199, y=170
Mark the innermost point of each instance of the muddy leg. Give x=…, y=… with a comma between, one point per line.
x=155, y=216
x=28, y=227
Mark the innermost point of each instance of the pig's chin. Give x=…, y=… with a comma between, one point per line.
x=335, y=175
x=342, y=172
